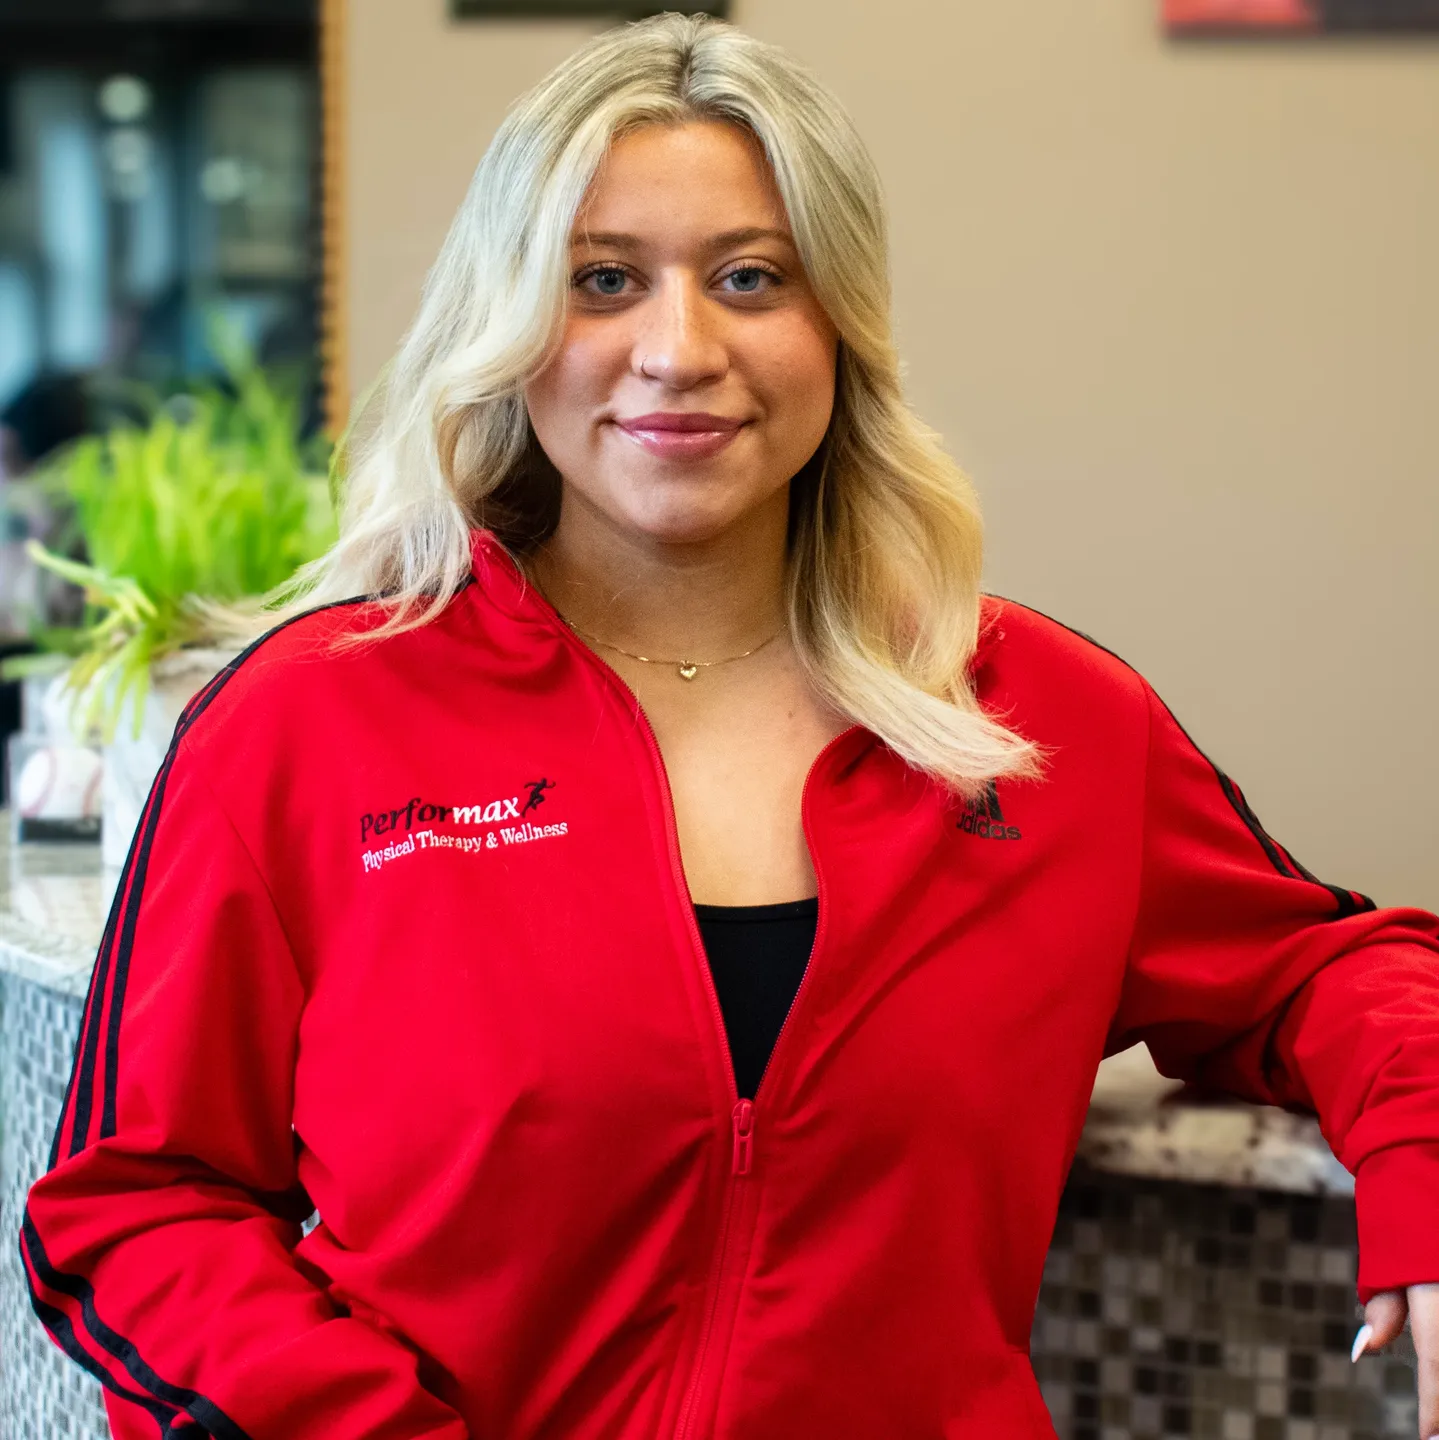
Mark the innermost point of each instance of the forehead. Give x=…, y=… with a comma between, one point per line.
x=681, y=181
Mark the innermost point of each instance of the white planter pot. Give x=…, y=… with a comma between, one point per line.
x=132, y=761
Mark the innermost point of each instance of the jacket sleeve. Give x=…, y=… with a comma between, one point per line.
x=159, y=1246
x=1247, y=974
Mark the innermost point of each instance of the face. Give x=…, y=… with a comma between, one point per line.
x=696, y=371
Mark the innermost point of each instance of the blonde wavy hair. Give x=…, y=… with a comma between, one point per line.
x=886, y=539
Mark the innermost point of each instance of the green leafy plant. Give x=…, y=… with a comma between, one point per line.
x=216, y=501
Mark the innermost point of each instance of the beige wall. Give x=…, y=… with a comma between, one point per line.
x=424, y=97
x=1175, y=307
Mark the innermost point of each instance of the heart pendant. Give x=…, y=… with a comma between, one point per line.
x=689, y=670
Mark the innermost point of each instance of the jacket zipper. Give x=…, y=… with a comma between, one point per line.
x=742, y=1157
x=742, y=1115
x=742, y=1112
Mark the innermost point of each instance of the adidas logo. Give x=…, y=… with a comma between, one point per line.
x=985, y=818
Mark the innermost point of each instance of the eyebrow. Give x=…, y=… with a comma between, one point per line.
x=618, y=240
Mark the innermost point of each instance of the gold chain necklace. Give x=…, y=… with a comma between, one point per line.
x=686, y=669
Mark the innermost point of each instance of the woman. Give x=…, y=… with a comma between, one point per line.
x=470, y=917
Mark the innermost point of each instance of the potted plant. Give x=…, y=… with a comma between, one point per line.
x=186, y=521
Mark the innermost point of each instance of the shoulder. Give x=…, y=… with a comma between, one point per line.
x=304, y=677
x=1015, y=633
x=275, y=662
x=1032, y=664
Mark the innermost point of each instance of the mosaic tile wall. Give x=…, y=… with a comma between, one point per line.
x=43, y=1395
x=1167, y=1310
x=1179, y=1310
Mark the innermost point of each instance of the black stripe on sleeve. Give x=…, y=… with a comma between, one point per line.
x=123, y=913
x=1240, y=806
x=81, y=1088
x=94, y=999
x=162, y=1399
x=1347, y=902
x=122, y=957
x=58, y=1324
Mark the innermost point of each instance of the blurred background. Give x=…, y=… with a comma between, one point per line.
x=159, y=176
x=1164, y=279
x=157, y=161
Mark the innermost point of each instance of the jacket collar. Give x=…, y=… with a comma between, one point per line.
x=498, y=575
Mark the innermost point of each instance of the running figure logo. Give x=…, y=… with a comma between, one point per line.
x=537, y=790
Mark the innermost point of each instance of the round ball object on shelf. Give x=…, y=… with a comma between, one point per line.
x=60, y=782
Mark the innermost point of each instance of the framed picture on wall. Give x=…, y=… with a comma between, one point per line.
x=579, y=9
x=1314, y=17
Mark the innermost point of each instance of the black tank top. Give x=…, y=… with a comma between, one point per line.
x=757, y=955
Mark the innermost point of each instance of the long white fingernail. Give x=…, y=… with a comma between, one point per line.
x=1361, y=1342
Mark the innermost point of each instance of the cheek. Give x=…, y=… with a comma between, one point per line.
x=794, y=372
x=564, y=395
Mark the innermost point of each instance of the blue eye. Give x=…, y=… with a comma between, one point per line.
x=608, y=281
x=752, y=279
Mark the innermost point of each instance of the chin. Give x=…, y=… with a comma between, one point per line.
x=679, y=518
x=695, y=527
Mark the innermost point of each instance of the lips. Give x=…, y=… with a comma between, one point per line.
x=681, y=435
x=685, y=421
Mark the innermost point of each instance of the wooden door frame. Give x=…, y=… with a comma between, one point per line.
x=334, y=205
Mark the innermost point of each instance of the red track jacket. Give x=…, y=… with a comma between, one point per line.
x=405, y=936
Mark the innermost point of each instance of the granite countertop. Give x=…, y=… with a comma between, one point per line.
x=1143, y=1124
x=54, y=900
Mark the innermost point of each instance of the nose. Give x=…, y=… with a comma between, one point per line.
x=678, y=342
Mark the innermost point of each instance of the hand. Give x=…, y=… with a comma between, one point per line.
x=1384, y=1322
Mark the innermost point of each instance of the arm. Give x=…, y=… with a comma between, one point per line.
x=1247, y=974
x=159, y=1245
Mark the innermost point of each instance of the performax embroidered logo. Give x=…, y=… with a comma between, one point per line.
x=413, y=826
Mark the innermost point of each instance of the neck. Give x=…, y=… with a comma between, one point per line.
x=699, y=600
